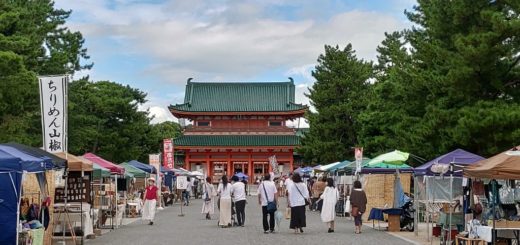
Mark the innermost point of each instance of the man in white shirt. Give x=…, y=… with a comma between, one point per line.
x=238, y=190
x=186, y=193
x=267, y=193
x=288, y=183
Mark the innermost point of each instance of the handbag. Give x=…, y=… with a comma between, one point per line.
x=355, y=211
x=307, y=203
x=271, y=206
x=348, y=208
x=287, y=213
x=207, y=198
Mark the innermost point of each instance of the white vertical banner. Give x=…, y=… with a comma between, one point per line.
x=358, y=153
x=53, y=102
x=155, y=161
x=274, y=164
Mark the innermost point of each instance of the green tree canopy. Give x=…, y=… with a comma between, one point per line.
x=339, y=92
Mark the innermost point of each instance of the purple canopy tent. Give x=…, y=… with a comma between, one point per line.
x=458, y=157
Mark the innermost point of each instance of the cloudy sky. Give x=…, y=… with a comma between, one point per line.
x=156, y=45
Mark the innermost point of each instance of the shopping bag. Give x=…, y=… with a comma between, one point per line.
x=287, y=213
x=348, y=208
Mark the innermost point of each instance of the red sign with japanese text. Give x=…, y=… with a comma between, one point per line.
x=168, y=153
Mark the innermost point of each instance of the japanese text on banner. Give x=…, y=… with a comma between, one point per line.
x=168, y=153
x=53, y=101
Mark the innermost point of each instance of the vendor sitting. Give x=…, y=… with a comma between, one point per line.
x=167, y=196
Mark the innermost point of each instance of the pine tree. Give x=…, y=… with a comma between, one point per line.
x=339, y=94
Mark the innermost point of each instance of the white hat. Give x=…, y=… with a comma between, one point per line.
x=152, y=179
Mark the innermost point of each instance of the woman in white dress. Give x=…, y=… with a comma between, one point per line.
x=208, y=196
x=329, y=198
x=224, y=193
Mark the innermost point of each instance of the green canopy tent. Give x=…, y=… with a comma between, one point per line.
x=135, y=172
x=100, y=172
x=394, y=157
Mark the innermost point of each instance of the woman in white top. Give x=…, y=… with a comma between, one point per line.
x=329, y=198
x=298, y=193
x=208, y=196
x=224, y=193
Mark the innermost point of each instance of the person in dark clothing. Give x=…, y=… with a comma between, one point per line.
x=358, y=202
x=238, y=191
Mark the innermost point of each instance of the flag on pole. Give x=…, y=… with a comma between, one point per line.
x=274, y=164
x=358, y=152
x=53, y=103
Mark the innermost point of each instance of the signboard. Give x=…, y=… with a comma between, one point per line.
x=358, y=153
x=155, y=161
x=182, y=182
x=168, y=153
x=274, y=164
x=53, y=104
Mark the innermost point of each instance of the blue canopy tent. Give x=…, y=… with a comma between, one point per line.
x=304, y=170
x=169, y=177
x=241, y=175
x=13, y=165
x=143, y=166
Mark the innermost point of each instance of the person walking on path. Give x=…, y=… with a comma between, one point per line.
x=358, y=202
x=224, y=193
x=287, y=183
x=318, y=189
x=150, y=201
x=187, y=193
x=329, y=198
x=208, y=207
x=238, y=190
x=267, y=193
x=298, y=199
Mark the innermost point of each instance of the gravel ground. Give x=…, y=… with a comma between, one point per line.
x=169, y=228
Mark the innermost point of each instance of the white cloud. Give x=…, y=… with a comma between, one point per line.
x=232, y=40
x=226, y=40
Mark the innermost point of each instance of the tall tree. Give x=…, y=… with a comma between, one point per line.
x=338, y=95
x=466, y=56
x=459, y=76
x=33, y=41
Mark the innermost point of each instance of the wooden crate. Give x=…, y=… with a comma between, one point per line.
x=506, y=224
x=394, y=223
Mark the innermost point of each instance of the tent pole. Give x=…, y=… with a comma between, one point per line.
x=451, y=201
x=18, y=207
x=117, y=203
x=415, y=206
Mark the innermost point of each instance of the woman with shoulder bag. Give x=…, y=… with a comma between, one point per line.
x=298, y=199
x=358, y=201
x=208, y=207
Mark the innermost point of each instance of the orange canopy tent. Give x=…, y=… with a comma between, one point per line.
x=505, y=165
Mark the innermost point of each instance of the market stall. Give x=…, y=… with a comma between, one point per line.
x=75, y=217
x=31, y=184
x=497, y=177
x=106, y=198
x=386, y=180
x=438, y=189
x=136, y=185
x=14, y=164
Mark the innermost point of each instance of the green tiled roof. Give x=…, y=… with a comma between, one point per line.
x=239, y=97
x=237, y=140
